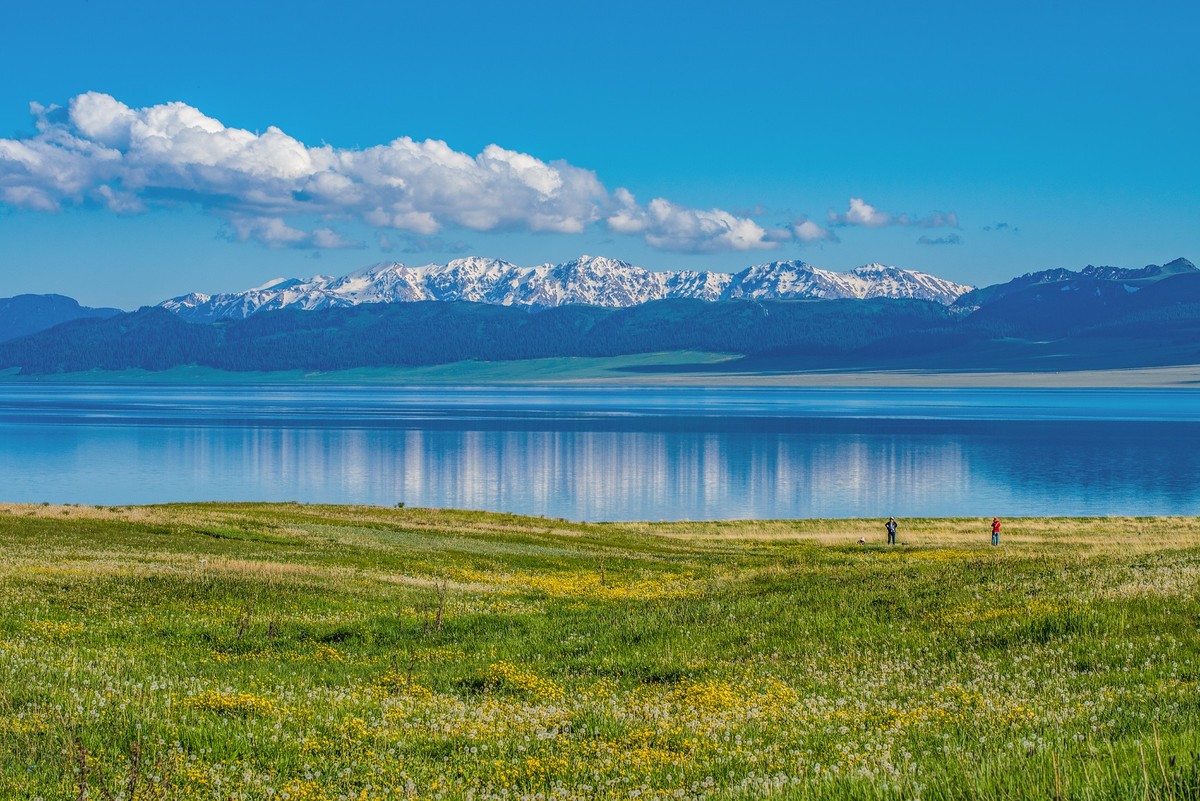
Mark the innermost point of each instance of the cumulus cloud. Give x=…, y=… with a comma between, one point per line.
x=948, y=239
x=97, y=150
x=1002, y=228
x=861, y=213
x=805, y=230
x=275, y=233
x=670, y=227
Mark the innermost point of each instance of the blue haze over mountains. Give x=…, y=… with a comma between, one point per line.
x=28, y=314
x=782, y=316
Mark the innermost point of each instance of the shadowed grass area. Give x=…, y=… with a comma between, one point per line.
x=285, y=651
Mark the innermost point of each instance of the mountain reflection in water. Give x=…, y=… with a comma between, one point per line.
x=611, y=453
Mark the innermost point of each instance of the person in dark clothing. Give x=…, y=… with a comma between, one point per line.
x=995, y=531
x=891, y=530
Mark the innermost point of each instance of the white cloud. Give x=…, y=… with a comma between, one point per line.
x=28, y=197
x=861, y=213
x=329, y=239
x=99, y=150
x=269, y=231
x=805, y=230
x=275, y=233
x=670, y=227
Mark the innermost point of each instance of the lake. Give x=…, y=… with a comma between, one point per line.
x=611, y=453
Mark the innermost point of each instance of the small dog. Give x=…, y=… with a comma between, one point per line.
x=862, y=541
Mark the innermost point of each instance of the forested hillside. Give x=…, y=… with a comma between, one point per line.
x=438, y=332
x=1051, y=322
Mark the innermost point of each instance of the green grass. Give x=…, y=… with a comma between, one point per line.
x=288, y=651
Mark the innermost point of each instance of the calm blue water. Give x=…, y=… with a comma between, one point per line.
x=612, y=453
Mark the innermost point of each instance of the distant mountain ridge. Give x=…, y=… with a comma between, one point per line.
x=1075, y=323
x=1096, y=318
x=588, y=280
x=1119, y=279
x=23, y=315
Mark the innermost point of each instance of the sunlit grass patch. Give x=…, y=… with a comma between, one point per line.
x=230, y=703
x=590, y=584
x=353, y=652
x=55, y=629
x=507, y=677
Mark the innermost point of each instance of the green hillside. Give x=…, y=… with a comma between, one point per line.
x=301, y=652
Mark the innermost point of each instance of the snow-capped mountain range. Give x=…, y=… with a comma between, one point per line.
x=590, y=280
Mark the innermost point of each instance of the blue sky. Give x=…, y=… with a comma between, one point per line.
x=974, y=143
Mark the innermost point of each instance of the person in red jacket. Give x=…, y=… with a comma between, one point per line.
x=995, y=531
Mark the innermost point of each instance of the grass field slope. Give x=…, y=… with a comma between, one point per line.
x=302, y=652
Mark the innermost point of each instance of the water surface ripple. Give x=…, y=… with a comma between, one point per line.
x=611, y=453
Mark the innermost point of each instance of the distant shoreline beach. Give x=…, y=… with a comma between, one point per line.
x=654, y=369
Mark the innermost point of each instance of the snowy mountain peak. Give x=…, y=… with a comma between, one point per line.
x=589, y=280
x=896, y=282
x=274, y=282
x=476, y=264
x=378, y=268
x=874, y=268
x=796, y=279
x=598, y=263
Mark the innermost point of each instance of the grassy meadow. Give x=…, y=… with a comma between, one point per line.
x=285, y=651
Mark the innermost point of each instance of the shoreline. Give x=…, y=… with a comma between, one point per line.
x=767, y=526
x=643, y=370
